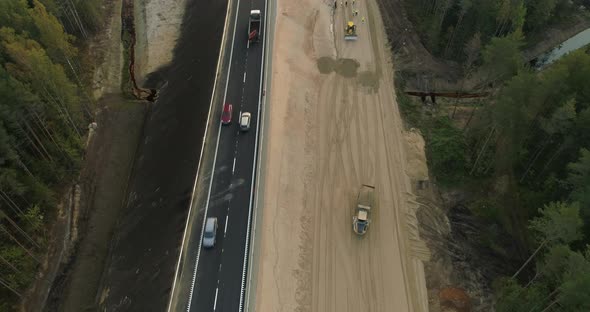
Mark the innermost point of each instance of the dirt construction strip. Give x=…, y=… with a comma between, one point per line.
x=334, y=125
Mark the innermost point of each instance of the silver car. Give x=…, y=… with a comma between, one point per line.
x=245, y=121
x=210, y=232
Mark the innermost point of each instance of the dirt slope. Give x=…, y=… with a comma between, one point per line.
x=144, y=251
x=334, y=125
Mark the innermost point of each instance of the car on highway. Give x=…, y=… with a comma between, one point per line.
x=245, y=121
x=210, y=234
x=226, y=115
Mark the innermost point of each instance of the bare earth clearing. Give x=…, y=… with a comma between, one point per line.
x=158, y=29
x=334, y=125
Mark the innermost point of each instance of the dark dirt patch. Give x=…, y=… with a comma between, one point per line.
x=410, y=54
x=326, y=64
x=343, y=67
x=347, y=67
x=370, y=80
x=103, y=181
x=146, y=243
x=455, y=299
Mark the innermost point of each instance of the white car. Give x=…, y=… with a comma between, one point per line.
x=245, y=121
x=209, y=237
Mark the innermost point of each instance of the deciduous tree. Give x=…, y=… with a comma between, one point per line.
x=502, y=57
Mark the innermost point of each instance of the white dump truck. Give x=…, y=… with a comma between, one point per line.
x=362, y=213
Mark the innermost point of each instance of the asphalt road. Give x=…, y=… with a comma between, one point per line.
x=143, y=255
x=221, y=271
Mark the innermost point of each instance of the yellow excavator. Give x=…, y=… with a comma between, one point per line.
x=350, y=31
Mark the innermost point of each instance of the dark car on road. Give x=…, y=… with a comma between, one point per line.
x=226, y=115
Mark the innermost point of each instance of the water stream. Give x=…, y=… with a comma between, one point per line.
x=572, y=44
x=128, y=24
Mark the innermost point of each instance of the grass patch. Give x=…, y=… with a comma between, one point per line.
x=445, y=150
x=410, y=110
x=445, y=144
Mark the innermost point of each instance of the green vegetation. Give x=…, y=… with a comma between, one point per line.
x=43, y=114
x=446, y=146
x=446, y=25
x=408, y=108
x=562, y=276
x=525, y=151
x=528, y=148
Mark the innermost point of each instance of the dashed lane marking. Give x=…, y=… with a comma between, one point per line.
x=216, y=292
x=225, y=230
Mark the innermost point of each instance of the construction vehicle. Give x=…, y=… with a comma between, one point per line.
x=350, y=31
x=254, y=28
x=362, y=214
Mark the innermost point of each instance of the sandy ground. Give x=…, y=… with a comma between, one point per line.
x=107, y=49
x=334, y=125
x=158, y=29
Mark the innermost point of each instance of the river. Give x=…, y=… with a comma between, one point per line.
x=578, y=41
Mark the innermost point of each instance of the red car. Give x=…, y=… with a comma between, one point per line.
x=226, y=115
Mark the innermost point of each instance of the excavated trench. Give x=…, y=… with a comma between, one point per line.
x=128, y=37
x=457, y=95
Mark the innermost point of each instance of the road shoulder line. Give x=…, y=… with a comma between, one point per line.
x=253, y=265
x=173, y=301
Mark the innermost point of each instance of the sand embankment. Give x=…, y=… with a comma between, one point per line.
x=334, y=125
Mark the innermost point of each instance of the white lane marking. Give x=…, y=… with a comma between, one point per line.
x=216, y=291
x=233, y=168
x=244, y=266
x=186, y=226
x=244, y=77
x=258, y=189
x=231, y=53
x=225, y=230
x=190, y=298
x=188, y=219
